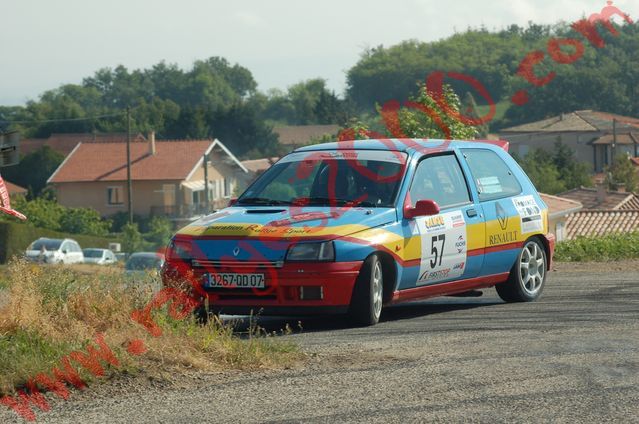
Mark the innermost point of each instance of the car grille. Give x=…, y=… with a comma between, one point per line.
x=203, y=263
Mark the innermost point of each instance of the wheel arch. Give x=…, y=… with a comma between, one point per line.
x=389, y=273
x=546, y=244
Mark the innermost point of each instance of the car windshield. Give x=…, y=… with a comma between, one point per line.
x=92, y=253
x=368, y=178
x=47, y=244
x=140, y=263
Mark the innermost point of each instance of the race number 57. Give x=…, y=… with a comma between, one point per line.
x=435, y=251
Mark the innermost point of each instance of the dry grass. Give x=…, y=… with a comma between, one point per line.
x=50, y=311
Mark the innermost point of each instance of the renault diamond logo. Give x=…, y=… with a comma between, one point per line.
x=502, y=217
x=236, y=251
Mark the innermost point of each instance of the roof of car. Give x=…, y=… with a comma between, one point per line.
x=408, y=145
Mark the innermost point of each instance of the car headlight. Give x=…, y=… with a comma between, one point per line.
x=324, y=251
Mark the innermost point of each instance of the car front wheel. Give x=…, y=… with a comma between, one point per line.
x=527, y=276
x=368, y=295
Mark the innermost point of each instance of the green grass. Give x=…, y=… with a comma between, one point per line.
x=50, y=311
x=607, y=248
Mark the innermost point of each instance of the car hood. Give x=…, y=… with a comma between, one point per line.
x=38, y=253
x=288, y=223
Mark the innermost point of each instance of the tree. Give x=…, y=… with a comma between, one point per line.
x=160, y=231
x=84, y=221
x=622, y=173
x=132, y=240
x=34, y=169
x=414, y=123
x=542, y=171
x=469, y=109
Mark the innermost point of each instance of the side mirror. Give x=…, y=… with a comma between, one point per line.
x=65, y=251
x=422, y=208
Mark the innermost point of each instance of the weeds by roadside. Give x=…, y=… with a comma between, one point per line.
x=51, y=311
x=605, y=248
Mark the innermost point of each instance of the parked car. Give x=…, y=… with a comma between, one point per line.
x=142, y=263
x=99, y=256
x=352, y=227
x=55, y=251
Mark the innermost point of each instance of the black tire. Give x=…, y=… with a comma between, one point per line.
x=527, y=276
x=368, y=294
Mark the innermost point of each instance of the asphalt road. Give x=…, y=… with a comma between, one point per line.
x=573, y=356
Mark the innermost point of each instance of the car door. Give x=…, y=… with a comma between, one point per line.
x=452, y=239
x=510, y=215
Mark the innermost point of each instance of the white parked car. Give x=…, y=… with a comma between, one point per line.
x=55, y=251
x=99, y=256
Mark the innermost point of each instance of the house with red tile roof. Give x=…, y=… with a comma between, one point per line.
x=64, y=143
x=295, y=136
x=596, y=223
x=559, y=209
x=14, y=189
x=168, y=177
x=596, y=137
x=600, y=198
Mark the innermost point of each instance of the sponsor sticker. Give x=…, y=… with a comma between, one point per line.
x=529, y=214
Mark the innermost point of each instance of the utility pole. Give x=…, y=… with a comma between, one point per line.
x=206, y=184
x=614, y=140
x=128, y=165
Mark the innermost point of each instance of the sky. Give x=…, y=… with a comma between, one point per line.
x=46, y=43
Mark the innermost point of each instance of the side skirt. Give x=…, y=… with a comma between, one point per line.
x=451, y=287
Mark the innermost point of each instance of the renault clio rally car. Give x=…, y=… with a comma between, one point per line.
x=350, y=227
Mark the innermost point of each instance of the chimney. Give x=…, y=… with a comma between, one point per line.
x=152, y=143
x=602, y=193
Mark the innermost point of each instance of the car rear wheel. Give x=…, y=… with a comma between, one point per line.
x=368, y=295
x=527, y=276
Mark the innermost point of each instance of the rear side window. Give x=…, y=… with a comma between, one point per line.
x=493, y=177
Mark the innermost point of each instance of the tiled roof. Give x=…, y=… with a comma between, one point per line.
x=259, y=165
x=65, y=143
x=590, y=199
x=173, y=160
x=601, y=222
x=300, y=135
x=580, y=120
x=14, y=189
x=629, y=138
x=558, y=206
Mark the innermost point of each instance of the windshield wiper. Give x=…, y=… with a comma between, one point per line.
x=262, y=201
x=302, y=201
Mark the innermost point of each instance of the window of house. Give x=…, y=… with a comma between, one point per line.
x=115, y=196
x=227, y=187
x=439, y=178
x=493, y=177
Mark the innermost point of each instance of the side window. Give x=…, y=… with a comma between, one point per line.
x=439, y=178
x=493, y=177
x=65, y=246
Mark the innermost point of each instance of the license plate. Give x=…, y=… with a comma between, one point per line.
x=232, y=280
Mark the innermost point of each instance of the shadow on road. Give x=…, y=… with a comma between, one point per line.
x=308, y=324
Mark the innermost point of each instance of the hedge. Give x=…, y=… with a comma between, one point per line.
x=610, y=247
x=16, y=237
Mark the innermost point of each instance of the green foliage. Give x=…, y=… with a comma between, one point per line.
x=46, y=213
x=84, y=221
x=556, y=171
x=415, y=123
x=160, y=231
x=469, y=109
x=34, y=169
x=622, y=173
x=16, y=237
x=132, y=240
x=606, y=248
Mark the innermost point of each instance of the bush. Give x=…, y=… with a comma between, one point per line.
x=606, y=248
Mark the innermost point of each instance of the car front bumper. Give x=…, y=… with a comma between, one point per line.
x=293, y=289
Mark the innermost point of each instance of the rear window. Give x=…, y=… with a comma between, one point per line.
x=492, y=176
